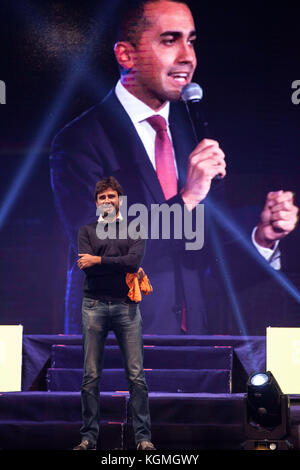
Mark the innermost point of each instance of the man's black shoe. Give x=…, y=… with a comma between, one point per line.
x=85, y=445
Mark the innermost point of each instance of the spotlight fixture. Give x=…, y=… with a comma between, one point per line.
x=266, y=414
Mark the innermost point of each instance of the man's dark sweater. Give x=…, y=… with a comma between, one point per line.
x=106, y=281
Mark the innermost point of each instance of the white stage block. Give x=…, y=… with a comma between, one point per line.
x=11, y=337
x=283, y=358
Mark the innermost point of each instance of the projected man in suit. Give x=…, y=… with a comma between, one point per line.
x=155, y=52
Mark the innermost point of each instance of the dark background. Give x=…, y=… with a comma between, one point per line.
x=56, y=59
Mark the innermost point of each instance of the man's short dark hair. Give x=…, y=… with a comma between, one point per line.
x=132, y=21
x=108, y=183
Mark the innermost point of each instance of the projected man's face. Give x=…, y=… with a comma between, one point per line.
x=163, y=60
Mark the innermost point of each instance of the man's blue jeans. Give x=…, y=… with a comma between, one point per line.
x=125, y=320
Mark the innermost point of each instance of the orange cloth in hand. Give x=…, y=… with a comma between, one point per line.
x=137, y=286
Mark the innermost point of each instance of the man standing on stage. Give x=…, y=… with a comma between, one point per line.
x=106, y=306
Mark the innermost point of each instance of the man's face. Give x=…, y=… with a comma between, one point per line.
x=108, y=203
x=164, y=58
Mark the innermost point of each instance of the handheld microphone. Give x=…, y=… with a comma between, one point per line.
x=192, y=95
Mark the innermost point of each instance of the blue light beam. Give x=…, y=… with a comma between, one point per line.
x=245, y=241
x=77, y=68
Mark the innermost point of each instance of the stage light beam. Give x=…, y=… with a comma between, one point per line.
x=76, y=70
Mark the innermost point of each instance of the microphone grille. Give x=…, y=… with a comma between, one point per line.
x=192, y=91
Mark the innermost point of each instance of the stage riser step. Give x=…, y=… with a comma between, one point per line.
x=58, y=406
x=23, y=435
x=203, y=436
x=195, y=408
x=31, y=436
x=114, y=436
x=164, y=407
x=180, y=381
x=162, y=357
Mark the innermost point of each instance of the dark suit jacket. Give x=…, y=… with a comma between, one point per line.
x=103, y=142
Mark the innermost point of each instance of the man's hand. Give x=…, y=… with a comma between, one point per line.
x=140, y=274
x=278, y=218
x=86, y=260
x=205, y=162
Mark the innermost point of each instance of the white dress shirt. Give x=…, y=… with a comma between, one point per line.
x=138, y=112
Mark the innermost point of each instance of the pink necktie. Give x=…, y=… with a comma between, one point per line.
x=165, y=170
x=164, y=157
